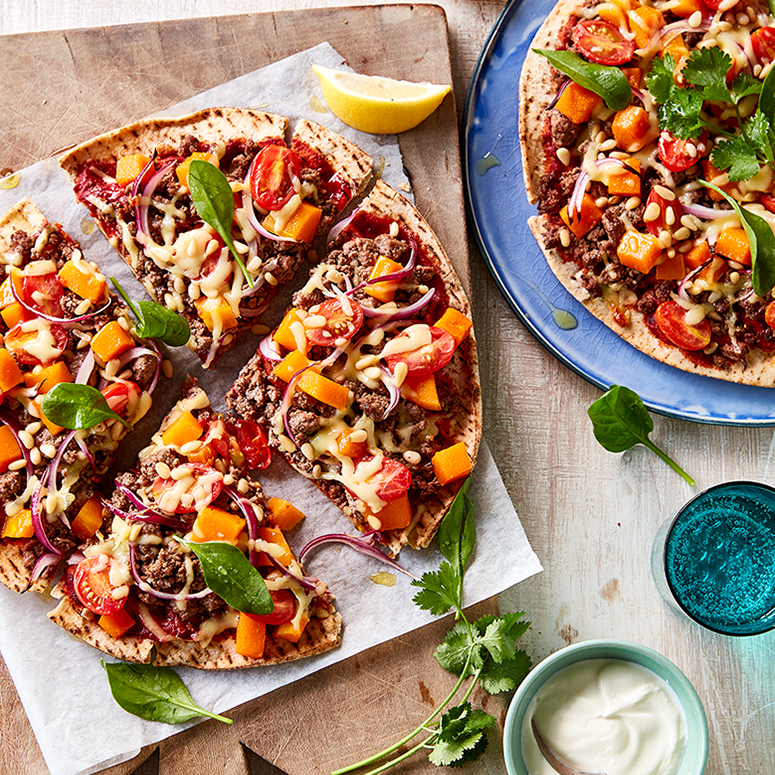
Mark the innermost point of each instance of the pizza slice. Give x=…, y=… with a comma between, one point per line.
x=215, y=242
x=370, y=385
x=59, y=324
x=139, y=591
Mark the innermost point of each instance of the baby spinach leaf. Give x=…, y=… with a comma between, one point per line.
x=457, y=536
x=229, y=574
x=155, y=321
x=761, y=241
x=213, y=201
x=620, y=421
x=77, y=407
x=767, y=96
x=610, y=83
x=153, y=693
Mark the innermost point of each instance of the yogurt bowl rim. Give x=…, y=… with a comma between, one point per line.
x=695, y=755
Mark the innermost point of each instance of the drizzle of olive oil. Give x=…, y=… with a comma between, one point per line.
x=564, y=319
x=87, y=226
x=317, y=105
x=384, y=578
x=9, y=180
x=487, y=162
x=380, y=167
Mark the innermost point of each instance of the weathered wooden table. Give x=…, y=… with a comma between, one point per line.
x=590, y=515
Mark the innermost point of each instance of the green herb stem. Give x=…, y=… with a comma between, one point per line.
x=654, y=448
x=392, y=763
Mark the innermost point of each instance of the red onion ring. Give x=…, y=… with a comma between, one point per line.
x=152, y=625
x=52, y=318
x=574, y=203
x=308, y=584
x=401, y=312
x=360, y=546
x=340, y=226
x=706, y=213
x=150, y=517
x=141, y=210
x=268, y=348
x=45, y=561
x=37, y=520
x=144, y=586
x=682, y=286
x=388, y=380
x=256, y=224
x=251, y=519
x=85, y=369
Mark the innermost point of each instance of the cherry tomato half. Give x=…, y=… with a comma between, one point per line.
x=677, y=154
x=273, y=176
x=203, y=490
x=343, y=321
x=93, y=586
x=768, y=201
x=763, y=43
x=602, y=43
x=716, y=4
x=32, y=347
x=284, y=608
x=428, y=357
x=251, y=440
x=43, y=292
x=392, y=480
x=665, y=221
x=120, y=394
x=769, y=315
x=671, y=319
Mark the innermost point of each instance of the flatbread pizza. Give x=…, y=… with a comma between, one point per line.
x=139, y=186
x=370, y=385
x=655, y=209
x=139, y=591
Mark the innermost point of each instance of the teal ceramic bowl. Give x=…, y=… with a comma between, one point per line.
x=696, y=753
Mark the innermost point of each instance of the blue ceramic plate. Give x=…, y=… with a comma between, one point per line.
x=498, y=212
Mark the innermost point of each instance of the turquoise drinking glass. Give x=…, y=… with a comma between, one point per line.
x=715, y=561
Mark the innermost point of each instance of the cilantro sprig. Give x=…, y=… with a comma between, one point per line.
x=483, y=650
x=684, y=111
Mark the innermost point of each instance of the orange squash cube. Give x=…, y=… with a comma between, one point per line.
x=9, y=448
x=116, y=624
x=292, y=631
x=19, y=525
x=697, y=256
x=84, y=284
x=383, y=292
x=451, y=463
x=284, y=335
x=129, y=167
x=625, y=182
x=214, y=524
x=578, y=103
x=671, y=268
x=250, y=637
x=6, y=294
x=422, y=391
x=324, y=389
x=684, y=8
x=644, y=21
x=455, y=323
x=732, y=244
x=639, y=251
x=89, y=519
x=293, y=363
x=184, y=428
x=301, y=226
x=10, y=375
x=584, y=219
x=273, y=535
x=53, y=428
x=346, y=447
x=44, y=378
x=284, y=514
x=631, y=128
x=396, y=515
x=111, y=342
x=182, y=169
x=14, y=314
x=217, y=309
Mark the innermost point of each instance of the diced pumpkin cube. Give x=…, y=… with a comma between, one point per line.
x=14, y=314
x=273, y=535
x=84, y=284
x=644, y=21
x=301, y=226
x=251, y=637
x=214, y=524
x=631, y=128
x=422, y=391
x=711, y=274
x=9, y=448
x=89, y=519
x=584, y=219
x=216, y=310
x=679, y=51
x=348, y=447
x=284, y=514
x=293, y=363
x=6, y=294
x=116, y=624
x=733, y=245
x=451, y=463
x=671, y=268
x=684, y=8
x=385, y=291
x=625, y=182
x=184, y=428
x=639, y=251
x=578, y=103
x=614, y=12
x=182, y=169
x=10, y=375
x=455, y=323
x=284, y=333
x=292, y=631
x=53, y=428
x=698, y=256
x=43, y=378
x=111, y=341
x=634, y=76
x=129, y=167
x=19, y=525
x=396, y=515
x=324, y=389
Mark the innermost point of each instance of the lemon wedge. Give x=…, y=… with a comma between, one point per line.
x=378, y=105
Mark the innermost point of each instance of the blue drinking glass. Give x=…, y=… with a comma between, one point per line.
x=715, y=561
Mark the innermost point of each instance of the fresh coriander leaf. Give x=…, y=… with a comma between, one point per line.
x=761, y=240
x=231, y=576
x=78, y=407
x=439, y=590
x=155, y=321
x=497, y=641
x=610, y=83
x=708, y=68
x=735, y=156
x=505, y=676
x=620, y=421
x=660, y=79
x=461, y=732
x=153, y=693
x=213, y=201
x=682, y=114
x=745, y=85
x=516, y=627
x=757, y=130
x=453, y=653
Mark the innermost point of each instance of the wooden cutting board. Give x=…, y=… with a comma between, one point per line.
x=60, y=88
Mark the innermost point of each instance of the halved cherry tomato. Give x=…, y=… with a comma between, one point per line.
x=768, y=201
x=715, y=4
x=119, y=394
x=602, y=43
x=392, y=480
x=201, y=494
x=31, y=347
x=284, y=608
x=274, y=174
x=43, y=292
x=93, y=587
x=677, y=154
x=427, y=358
x=769, y=315
x=665, y=222
x=251, y=440
x=671, y=319
x=763, y=43
x=340, y=323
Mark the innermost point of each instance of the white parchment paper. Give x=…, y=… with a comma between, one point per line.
x=59, y=679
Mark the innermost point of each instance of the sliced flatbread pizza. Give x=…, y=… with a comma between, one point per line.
x=216, y=242
x=140, y=591
x=60, y=324
x=370, y=385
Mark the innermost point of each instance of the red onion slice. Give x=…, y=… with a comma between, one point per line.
x=389, y=381
x=152, y=625
x=43, y=563
x=86, y=368
x=37, y=520
x=682, y=286
x=52, y=318
x=360, y=546
x=144, y=586
x=141, y=208
x=706, y=213
x=148, y=516
x=309, y=584
x=247, y=202
x=401, y=312
x=268, y=348
x=576, y=197
x=340, y=226
x=251, y=519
